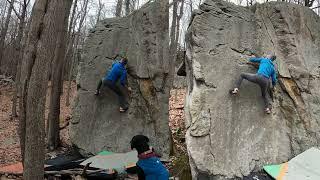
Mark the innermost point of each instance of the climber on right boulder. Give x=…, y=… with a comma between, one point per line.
x=262, y=78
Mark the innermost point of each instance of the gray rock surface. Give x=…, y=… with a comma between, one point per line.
x=143, y=38
x=230, y=137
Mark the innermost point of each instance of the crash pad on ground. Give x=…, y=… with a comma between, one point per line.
x=273, y=170
x=105, y=153
x=304, y=166
x=117, y=161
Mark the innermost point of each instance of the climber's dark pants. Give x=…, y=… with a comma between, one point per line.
x=115, y=88
x=262, y=81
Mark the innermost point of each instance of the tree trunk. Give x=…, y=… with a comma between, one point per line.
x=38, y=54
x=173, y=34
x=119, y=8
x=100, y=7
x=173, y=26
x=19, y=51
x=191, y=5
x=4, y=33
x=70, y=36
x=56, y=85
x=178, y=26
x=127, y=4
x=75, y=55
x=318, y=8
x=308, y=3
x=3, y=12
x=71, y=24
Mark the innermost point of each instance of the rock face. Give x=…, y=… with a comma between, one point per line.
x=142, y=37
x=230, y=137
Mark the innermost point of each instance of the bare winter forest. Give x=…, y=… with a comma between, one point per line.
x=43, y=48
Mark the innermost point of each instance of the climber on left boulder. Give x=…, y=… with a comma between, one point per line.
x=117, y=72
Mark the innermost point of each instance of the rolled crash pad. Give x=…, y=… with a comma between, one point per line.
x=64, y=162
x=117, y=161
x=305, y=166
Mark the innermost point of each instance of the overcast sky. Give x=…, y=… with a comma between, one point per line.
x=110, y=9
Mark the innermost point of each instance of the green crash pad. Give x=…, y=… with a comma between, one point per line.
x=305, y=166
x=109, y=160
x=105, y=153
x=273, y=170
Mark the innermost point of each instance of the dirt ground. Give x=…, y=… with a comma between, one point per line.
x=9, y=139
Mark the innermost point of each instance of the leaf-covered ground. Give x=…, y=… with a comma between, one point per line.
x=9, y=139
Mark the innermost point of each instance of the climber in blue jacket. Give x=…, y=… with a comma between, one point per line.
x=149, y=165
x=265, y=72
x=117, y=72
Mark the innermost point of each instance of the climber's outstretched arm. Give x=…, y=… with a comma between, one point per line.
x=124, y=82
x=255, y=59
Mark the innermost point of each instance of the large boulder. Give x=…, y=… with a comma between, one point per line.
x=143, y=38
x=227, y=136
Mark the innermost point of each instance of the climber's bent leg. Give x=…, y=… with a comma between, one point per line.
x=122, y=100
x=248, y=76
x=264, y=84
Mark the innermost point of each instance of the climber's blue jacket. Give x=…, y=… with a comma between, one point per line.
x=153, y=169
x=118, y=71
x=266, y=68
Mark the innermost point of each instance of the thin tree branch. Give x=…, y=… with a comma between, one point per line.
x=173, y=2
x=14, y=10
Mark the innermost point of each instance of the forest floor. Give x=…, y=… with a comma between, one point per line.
x=9, y=139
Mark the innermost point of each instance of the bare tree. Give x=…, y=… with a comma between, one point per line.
x=308, y=3
x=57, y=82
x=119, y=8
x=191, y=5
x=76, y=39
x=4, y=31
x=100, y=8
x=19, y=53
x=3, y=8
x=127, y=5
x=173, y=25
x=47, y=17
x=178, y=24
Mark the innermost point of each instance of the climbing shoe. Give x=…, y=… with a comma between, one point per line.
x=122, y=110
x=234, y=91
x=97, y=92
x=268, y=110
